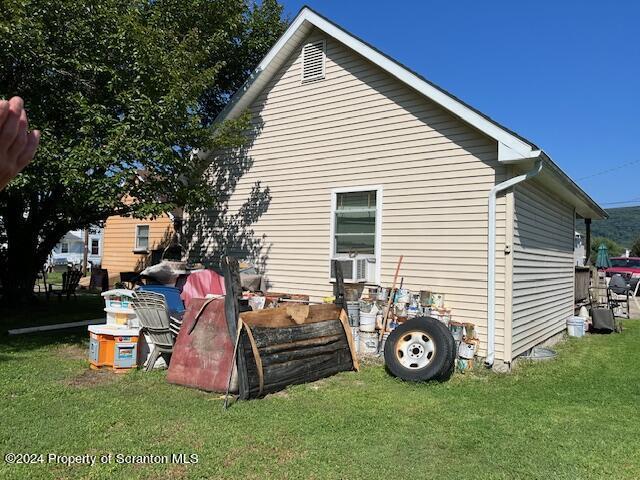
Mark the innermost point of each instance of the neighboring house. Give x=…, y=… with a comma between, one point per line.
x=70, y=249
x=579, y=252
x=130, y=244
x=359, y=156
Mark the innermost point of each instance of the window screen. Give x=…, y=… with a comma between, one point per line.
x=355, y=223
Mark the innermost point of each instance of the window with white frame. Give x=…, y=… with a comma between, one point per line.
x=356, y=217
x=95, y=246
x=64, y=247
x=142, y=237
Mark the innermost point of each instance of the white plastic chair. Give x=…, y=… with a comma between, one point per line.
x=151, y=309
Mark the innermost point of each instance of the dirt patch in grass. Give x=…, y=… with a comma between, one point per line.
x=318, y=384
x=280, y=394
x=71, y=352
x=271, y=453
x=371, y=360
x=91, y=378
x=174, y=471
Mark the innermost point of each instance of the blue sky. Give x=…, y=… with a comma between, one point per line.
x=563, y=74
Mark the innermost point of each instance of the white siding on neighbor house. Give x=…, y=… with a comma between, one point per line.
x=360, y=127
x=543, y=269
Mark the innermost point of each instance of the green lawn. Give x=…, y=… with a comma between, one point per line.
x=41, y=311
x=575, y=417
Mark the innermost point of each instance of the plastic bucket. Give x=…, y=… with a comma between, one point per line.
x=403, y=295
x=368, y=322
x=355, y=334
x=457, y=331
x=368, y=344
x=353, y=310
x=575, y=327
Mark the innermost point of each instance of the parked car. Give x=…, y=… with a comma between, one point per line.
x=628, y=267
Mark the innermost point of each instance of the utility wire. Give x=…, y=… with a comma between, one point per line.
x=635, y=200
x=613, y=169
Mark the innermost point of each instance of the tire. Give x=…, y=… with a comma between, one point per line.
x=419, y=350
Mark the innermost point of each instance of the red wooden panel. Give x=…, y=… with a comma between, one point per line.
x=203, y=358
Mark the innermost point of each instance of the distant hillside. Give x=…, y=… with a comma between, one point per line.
x=623, y=225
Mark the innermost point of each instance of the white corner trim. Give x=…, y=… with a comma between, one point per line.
x=491, y=256
x=378, y=240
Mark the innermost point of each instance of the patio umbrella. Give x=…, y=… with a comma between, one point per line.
x=602, y=260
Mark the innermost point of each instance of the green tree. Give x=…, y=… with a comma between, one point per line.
x=614, y=248
x=118, y=87
x=635, y=248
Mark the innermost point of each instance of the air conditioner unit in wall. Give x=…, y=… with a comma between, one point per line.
x=354, y=270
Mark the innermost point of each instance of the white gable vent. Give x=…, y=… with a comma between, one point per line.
x=313, y=61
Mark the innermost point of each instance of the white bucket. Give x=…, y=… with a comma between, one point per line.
x=466, y=350
x=584, y=313
x=355, y=334
x=575, y=327
x=368, y=344
x=368, y=322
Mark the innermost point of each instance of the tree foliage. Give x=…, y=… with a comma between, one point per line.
x=120, y=87
x=614, y=248
x=622, y=226
x=635, y=248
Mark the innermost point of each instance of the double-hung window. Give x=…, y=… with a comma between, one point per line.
x=142, y=238
x=356, y=226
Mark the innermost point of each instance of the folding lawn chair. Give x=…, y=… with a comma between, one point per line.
x=618, y=292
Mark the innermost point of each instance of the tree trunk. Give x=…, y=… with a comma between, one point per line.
x=27, y=251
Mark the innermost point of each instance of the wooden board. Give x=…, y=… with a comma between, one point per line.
x=283, y=316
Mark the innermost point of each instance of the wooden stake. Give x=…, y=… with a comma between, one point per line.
x=389, y=303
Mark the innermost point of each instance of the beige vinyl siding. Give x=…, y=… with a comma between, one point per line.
x=543, y=268
x=361, y=127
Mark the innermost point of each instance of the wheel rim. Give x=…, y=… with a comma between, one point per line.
x=415, y=350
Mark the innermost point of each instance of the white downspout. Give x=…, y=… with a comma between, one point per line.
x=491, y=280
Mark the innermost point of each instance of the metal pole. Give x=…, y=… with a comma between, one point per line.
x=85, y=253
x=587, y=253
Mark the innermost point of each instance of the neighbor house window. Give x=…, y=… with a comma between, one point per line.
x=142, y=237
x=95, y=247
x=64, y=247
x=356, y=216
